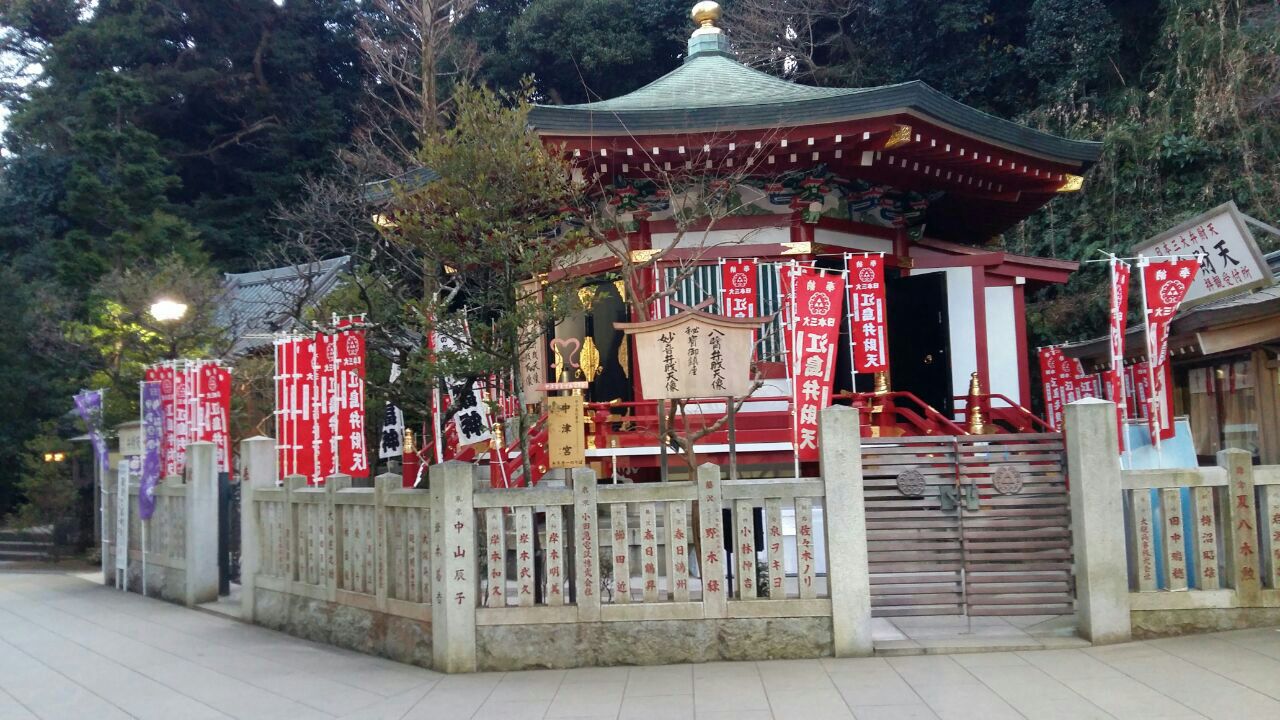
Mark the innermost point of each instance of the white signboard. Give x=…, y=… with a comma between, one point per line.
x=130, y=439
x=122, y=516
x=1231, y=262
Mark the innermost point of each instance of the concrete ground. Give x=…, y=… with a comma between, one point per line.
x=70, y=648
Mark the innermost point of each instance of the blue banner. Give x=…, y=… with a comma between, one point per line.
x=152, y=430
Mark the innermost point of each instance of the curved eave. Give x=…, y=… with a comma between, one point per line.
x=913, y=98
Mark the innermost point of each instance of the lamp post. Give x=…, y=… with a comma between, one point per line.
x=167, y=310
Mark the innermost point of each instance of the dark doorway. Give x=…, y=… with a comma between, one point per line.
x=613, y=382
x=919, y=342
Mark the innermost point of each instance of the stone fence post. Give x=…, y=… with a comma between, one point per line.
x=1240, y=526
x=845, y=518
x=259, y=455
x=1097, y=522
x=202, y=524
x=587, y=536
x=453, y=608
x=715, y=588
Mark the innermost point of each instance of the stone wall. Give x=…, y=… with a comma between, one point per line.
x=402, y=639
x=178, y=543
x=650, y=642
x=1149, y=624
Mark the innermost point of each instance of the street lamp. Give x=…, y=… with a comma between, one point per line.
x=167, y=310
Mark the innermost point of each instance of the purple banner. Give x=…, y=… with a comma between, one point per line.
x=152, y=431
x=89, y=407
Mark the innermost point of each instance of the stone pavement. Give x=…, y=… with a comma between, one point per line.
x=70, y=648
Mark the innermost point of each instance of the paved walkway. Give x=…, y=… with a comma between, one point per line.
x=72, y=649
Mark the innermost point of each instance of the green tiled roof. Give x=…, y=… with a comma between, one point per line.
x=711, y=92
x=710, y=81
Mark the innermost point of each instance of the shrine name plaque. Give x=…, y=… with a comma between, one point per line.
x=693, y=354
x=566, y=446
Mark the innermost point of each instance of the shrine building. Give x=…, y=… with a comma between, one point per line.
x=899, y=169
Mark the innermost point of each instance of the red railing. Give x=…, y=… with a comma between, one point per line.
x=902, y=413
x=630, y=425
x=1009, y=417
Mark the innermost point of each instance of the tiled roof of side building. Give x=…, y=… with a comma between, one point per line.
x=257, y=305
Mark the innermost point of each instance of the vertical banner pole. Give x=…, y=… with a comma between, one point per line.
x=848, y=316
x=723, y=295
x=1153, y=401
x=143, y=522
x=788, y=357
x=731, y=408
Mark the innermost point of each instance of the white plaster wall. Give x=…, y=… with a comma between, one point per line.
x=724, y=238
x=1002, y=344
x=862, y=243
x=964, y=348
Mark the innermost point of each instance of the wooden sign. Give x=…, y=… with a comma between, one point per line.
x=1230, y=262
x=694, y=354
x=566, y=445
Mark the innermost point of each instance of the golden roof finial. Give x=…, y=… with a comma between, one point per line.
x=706, y=13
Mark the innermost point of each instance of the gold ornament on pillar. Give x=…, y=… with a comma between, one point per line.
x=587, y=296
x=496, y=430
x=882, y=382
x=589, y=359
x=557, y=362
x=973, y=406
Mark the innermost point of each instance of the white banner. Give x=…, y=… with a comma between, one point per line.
x=122, y=517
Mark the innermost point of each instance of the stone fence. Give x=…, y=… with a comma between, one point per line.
x=1185, y=550
x=179, y=562
x=463, y=578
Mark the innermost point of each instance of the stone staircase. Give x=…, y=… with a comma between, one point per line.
x=26, y=545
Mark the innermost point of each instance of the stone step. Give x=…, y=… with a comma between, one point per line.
x=26, y=536
x=17, y=556
x=22, y=546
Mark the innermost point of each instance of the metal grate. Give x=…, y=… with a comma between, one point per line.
x=704, y=282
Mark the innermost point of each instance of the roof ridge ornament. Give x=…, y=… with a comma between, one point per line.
x=706, y=13
x=707, y=39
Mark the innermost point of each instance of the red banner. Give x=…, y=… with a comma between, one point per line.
x=1164, y=284
x=195, y=401
x=867, y=313
x=214, y=416
x=320, y=393
x=1064, y=381
x=740, y=283
x=1114, y=377
x=324, y=421
x=1140, y=389
x=184, y=413
x=1050, y=371
x=283, y=409
x=815, y=333
x=352, y=451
